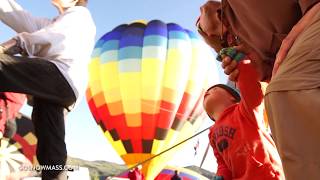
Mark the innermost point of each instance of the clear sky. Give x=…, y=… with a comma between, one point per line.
x=84, y=139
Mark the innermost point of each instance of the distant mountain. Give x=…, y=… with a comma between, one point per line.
x=98, y=168
x=103, y=168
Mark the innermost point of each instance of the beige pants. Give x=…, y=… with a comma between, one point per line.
x=293, y=107
x=294, y=118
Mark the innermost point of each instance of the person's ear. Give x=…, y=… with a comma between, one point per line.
x=233, y=99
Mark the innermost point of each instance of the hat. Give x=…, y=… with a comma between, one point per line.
x=234, y=92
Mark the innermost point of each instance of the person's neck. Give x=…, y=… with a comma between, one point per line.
x=219, y=110
x=62, y=10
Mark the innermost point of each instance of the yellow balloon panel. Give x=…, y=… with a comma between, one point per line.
x=117, y=145
x=152, y=74
x=176, y=68
x=109, y=76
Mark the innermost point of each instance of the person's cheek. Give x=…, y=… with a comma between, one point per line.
x=208, y=105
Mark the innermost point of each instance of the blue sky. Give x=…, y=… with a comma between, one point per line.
x=84, y=139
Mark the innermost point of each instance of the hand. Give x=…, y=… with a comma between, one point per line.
x=287, y=43
x=250, y=56
x=230, y=65
x=282, y=53
x=11, y=47
x=2, y=49
x=230, y=68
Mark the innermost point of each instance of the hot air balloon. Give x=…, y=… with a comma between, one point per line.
x=20, y=151
x=145, y=89
x=167, y=172
x=184, y=173
x=25, y=139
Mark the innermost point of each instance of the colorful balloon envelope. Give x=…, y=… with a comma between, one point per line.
x=20, y=150
x=146, y=87
x=184, y=174
x=25, y=139
x=169, y=171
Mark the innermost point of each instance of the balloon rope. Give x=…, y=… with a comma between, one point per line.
x=164, y=151
x=205, y=155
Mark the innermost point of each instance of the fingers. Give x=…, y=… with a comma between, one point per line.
x=234, y=75
x=274, y=71
x=230, y=67
x=2, y=49
x=282, y=54
x=276, y=67
x=226, y=61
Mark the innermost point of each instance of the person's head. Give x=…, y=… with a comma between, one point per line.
x=62, y=5
x=209, y=20
x=176, y=172
x=211, y=25
x=218, y=98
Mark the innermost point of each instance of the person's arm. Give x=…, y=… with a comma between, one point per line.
x=39, y=42
x=18, y=19
x=296, y=30
x=72, y=26
x=309, y=8
x=249, y=86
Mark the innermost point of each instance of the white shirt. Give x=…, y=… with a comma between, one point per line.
x=67, y=41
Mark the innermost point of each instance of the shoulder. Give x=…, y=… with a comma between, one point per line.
x=211, y=129
x=79, y=15
x=211, y=134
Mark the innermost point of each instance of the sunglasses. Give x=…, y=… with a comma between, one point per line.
x=224, y=40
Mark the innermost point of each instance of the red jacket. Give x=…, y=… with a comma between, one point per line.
x=136, y=174
x=242, y=147
x=14, y=102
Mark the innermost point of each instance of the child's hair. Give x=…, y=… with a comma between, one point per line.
x=234, y=92
x=229, y=89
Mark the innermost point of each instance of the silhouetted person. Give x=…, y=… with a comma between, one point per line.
x=176, y=176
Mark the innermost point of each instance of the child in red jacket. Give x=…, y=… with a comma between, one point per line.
x=242, y=147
